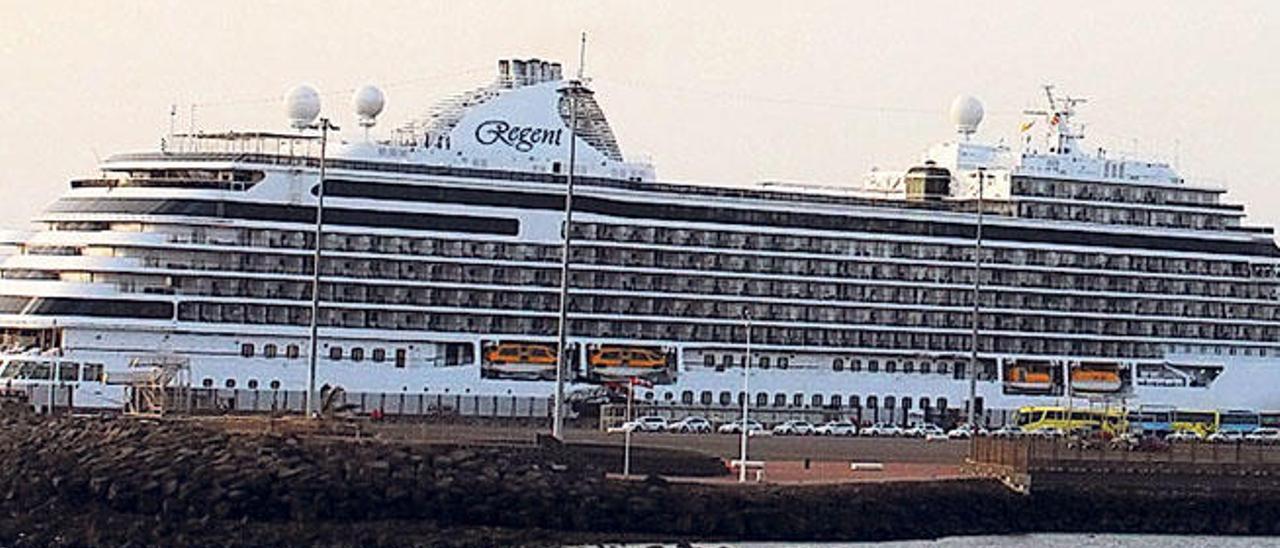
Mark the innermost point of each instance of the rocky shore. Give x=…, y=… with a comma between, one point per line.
x=116, y=482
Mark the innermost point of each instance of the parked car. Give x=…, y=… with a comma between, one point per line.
x=690, y=425
x=1182, y=435
x=1050, y=432
x=793, y=428
x=882, y=431
x=735, y=427
x=1008, y=431
x=648, y=424
x=836, y=428
x=924, y=431
x=1264, y=435
x=1225, y=437
x=966, y=431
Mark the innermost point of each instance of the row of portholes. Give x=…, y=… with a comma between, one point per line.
x=891, y=366
x=731, y=360
x=798, y=399
x=252, y=384
x=336, y=353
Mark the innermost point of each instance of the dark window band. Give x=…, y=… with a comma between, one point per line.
x=289, y=214
x=102, y=308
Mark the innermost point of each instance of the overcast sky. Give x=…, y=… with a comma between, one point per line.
x=726, y=93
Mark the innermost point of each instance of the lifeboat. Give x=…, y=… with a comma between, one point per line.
x=1027, y=379
x=523, y=360
x=1095, y=380
x=627, y=361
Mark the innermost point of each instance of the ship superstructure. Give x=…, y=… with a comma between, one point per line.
x=1104, y=276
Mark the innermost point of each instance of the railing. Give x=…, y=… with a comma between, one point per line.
x=1030, y=455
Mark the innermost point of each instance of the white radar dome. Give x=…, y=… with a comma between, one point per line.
x=368, y=102
x=966, y=114
x=302, y=105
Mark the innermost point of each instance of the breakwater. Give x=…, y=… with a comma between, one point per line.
x=79, y=481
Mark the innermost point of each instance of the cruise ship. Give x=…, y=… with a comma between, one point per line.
x=1096, y=276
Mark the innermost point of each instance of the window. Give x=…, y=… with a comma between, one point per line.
x=705, y=397
x=686, y=397
x=890, y=366
x=816, y=400
x=797, y=400
x=275, y=385
x=764, y=362
x=944, y=368
x=69, y=372
x=357, y=354
x=269, y=351
x=889, y=402
x=779, y=400
x=871, y=402
x=726, y=398
x=853, y=401
x=401, y=357
x=667, y=396
x=231, y=383
x=837, y=364
x=783, y=362
x=291, y=351
x=908, y=367
x=762, y=399
x=207, y=383
x=942, y=404
x=379, y=355
x=873, y=366
x=246, y=350
x=906, y=402
x=253, y=384
x=709, y=360
x=855, y=365
x=92, y=372
x=836, y=400
x=925, y=367
x=335, y=353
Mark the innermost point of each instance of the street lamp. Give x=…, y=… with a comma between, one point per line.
x=562, y=357
x=977, y=287
x=746, y=399
x=303, y=106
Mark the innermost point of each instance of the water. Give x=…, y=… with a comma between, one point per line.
x=1009, y=541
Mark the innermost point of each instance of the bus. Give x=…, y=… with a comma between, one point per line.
x=1030, y=419
x=1238, y=420
x=1157, y=420
x=1202, y=423
x=1269, y=419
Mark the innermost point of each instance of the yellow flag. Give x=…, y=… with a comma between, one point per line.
x=1027, y=125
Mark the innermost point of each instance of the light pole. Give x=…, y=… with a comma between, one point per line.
x=562, y=357
x=977, y=287
x=746, y=399
x=324, y=126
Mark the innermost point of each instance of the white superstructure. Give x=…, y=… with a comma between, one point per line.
x=442, y=252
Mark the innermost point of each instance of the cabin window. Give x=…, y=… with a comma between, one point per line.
x=779, y=400
x=906, y=402
x=269, y=351
x=837, y=364
x=797, y=400
x=925, y=367
x=379, y=355
x=253, y=384
x=709, y=360
x=764, y=362
x=207, y=383
x=908, y=367
x=855, y=365
x=890, y=366
x=871, y=402
x=836, y=400
x=705, y=397
x=275, y=385
x=291, y=351
x=762, y=399
x=873, y=366
x=942, y=404
x=726, y=398
x=667, y=396
x=92, y=372
x=784, y=362
x=357, y=354
x=854, y=402
x=335, y=353
x=401, y=357
x=246, y=350
x=816, y=400
x=231, y=383
x=686, y=397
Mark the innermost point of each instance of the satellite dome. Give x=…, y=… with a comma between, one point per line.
x=368, y=102
x=302, y=105
x=966, y=114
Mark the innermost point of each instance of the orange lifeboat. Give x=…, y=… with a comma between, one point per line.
x=1095, y=380
x=1025, y=378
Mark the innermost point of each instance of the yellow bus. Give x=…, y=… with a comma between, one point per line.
x=1031, y=419
x=1202, y=423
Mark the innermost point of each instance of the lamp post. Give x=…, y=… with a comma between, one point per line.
x=325, y=127
x=977, y=287
x=746, y=399
x=562, y=357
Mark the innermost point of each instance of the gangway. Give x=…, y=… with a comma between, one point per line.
x=155, y=384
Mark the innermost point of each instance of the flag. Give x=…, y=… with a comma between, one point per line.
x=637, y=381
x=1054, y=121
x=1027, y=125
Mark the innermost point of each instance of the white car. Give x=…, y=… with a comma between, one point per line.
x=882, y=431
x=1050, y=432
x=836, y=428
x=1008, y=431
x=647, y=424
x=735, y=427
x=1182, y=435
x=793, y=428
x=1265, y=435
x=1225, y=437
x=924, y=431
x=965, y=431
x=690, y=425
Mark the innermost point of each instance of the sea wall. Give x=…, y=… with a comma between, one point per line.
x=76, y=481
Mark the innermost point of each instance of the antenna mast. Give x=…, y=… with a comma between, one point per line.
x=582, y=56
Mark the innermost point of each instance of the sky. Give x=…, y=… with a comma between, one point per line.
x=711, y=92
